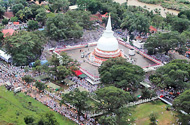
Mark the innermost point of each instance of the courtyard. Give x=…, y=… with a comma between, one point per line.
x=76, y=55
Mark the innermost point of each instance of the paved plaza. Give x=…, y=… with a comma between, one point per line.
x=76, y=54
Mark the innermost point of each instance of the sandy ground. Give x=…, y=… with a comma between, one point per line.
x=149, y=7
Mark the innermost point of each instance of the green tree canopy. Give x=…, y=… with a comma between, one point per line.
x=163, y=42
x=63, y=27
x=27, y=79
x=40, y=85
x=184, y=12
x=34, y=8
x=180, y=24
x=121, y=73
x=32, y=25
x=14, y=19
x=29, y=119
x=17, y=7
x=182, y=102
x=41, y=16
x=136, y=21
x=25, y=47
x=48, y=119
x=81, y=17
x=112, y=100
x=58, y=5
x=175, y=74
x=60, y=67
x=2, y=11
x=77, y=99
x=5, y=21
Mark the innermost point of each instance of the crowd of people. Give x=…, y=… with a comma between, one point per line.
x=14, y=76
x=82, y=83
x=88, y=37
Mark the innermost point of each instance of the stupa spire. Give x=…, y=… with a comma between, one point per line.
x=108, y=27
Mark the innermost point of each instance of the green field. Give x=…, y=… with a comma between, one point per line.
x=13, y=109
x=141, y=113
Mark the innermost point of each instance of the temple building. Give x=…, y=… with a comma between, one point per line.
x=107, y=47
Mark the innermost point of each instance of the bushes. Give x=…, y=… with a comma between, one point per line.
x=151, y=1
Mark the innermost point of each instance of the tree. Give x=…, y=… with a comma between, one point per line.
x=180, y=24
x=157, y=20
x=28, y=13
x=40, y=86
x=83, y=3
x=41, y=16
x=147, y=93
x=2, y=11
x=182, y=102
x=29, y=44
x=163, y=42
x=107, y=120
x=29, y=120
x=59, y=5
x=77, y=99
x=184, y=12
x=72, y=2
x=62, y=66
x=136, y=21
x=21, y=15
x=17, y=7
x=34, y=8
x=112, y=100
x=32, y=25
x=14, y=19
x=63, y=27
x=81, y=17
x=27, y=79
x=5, y=21
x=48, y=119
x=121, y=73
x=175, y=74
x=153, y=117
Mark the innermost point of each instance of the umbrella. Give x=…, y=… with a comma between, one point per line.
x=161, y=96
x=139, y=96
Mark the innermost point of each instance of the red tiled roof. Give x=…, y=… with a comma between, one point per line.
x=9, y=14
x=105, y=15
x=16, y=23
x=98, y=16
x=152, y=29
x=8, y=32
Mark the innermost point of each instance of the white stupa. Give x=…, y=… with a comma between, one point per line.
x=107, y=46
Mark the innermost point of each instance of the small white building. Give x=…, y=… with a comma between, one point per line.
x=5, y=57
x=18, y=89
x=138, y=44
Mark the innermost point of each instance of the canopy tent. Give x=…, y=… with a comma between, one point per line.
x=68, y=82
x=5, y=56
x=52, y=85
x=82, y=76
x=8, y=83
x=145, y=84
x=78, y=72
x=92, y=82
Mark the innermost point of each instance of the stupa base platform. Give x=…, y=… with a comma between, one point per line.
x=95, y=60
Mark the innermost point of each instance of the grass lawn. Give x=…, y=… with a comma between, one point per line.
x=141, y=113
x=13, y=109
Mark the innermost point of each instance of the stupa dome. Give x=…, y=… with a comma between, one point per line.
x=108, y=42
